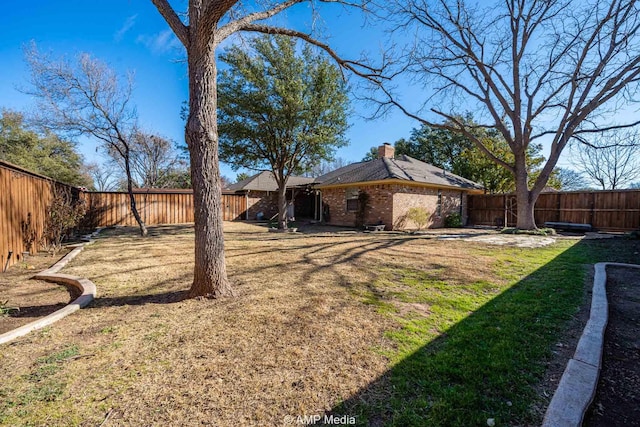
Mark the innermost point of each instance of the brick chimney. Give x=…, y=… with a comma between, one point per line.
x=386, y=150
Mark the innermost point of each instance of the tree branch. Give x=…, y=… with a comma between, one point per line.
x=239, y=23
x=607, y=128
x=181, y=31
x=357, y=68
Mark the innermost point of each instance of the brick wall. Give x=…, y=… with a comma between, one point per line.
x=335, y=198
x=380, y=205
x=407, y=197
x=262, y=201
x=388, y=203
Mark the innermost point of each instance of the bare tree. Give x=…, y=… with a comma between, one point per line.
x=153, y=159
x=611, y=161
x=327, y=166
x=569, y=180
x=225, y=182
x=86, y=98
x=205, y=26
x=103, y=177
x=534, y=70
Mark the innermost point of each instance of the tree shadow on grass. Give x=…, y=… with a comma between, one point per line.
x=169, y=297
x=35, y=311
x=487, y=364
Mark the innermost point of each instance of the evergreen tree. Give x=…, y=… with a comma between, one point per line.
x=280, y=110
x=43, y=153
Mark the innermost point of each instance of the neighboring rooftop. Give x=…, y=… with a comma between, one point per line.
x=387, y=167
x=265, y=181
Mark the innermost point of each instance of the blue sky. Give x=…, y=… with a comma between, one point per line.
x=131, y=35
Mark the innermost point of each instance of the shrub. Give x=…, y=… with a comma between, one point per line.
x=63, y=214
x=634, y=235
x=536, y=232
x=453, y=220
x=419, y=216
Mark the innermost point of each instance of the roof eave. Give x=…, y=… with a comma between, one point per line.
x=401, y=182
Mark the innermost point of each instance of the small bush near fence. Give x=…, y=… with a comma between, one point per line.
x=453, y=221
x=63, y=214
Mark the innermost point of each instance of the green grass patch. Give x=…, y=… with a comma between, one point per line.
x=60, y=356
x=482, y=346
x=108, y=330
x=42, y=386
x=6, y=310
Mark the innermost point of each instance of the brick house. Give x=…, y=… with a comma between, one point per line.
x=261, y=192
x=393, y=185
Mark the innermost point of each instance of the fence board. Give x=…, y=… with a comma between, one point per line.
x=112, y=208
x=23, y=195
x=613, y=210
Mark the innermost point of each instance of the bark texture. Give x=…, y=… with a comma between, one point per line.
x=524, y=197
x=210, y=272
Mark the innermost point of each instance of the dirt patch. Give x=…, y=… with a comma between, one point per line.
x=617, y=400
x=412, y=308
x=28, y=299
x=511, y=240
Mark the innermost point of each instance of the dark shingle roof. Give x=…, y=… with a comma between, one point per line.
x=265, y=181
x=404, y=168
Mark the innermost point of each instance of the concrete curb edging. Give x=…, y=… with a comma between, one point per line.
x=578, y=384
x=87, y=287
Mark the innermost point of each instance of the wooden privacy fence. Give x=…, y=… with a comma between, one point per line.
x=105, y=209
x=615, y=210
x=24, y=197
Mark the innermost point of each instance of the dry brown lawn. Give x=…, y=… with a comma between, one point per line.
x=26, y=299
x=298, y=339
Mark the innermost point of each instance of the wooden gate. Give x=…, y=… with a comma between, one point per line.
x=511, y=211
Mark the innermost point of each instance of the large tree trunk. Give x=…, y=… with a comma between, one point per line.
x=524, y=197
x=201, y=133
x=132, y=199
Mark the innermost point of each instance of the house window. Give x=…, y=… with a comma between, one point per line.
x=439, y=205
x=352, y=199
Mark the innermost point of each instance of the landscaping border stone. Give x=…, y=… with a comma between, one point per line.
x=87, y=287
x=578, y=384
